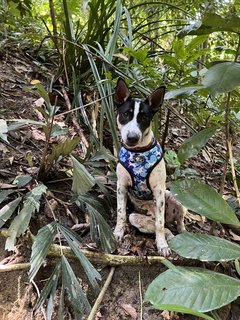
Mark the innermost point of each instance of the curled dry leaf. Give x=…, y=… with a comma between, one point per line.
x=37, y=134
x=130, y=310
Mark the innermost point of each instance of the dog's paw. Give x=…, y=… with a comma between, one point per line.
x=118, y=234
x=162, y=245
x=164, y=251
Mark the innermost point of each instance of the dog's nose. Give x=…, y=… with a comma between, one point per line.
x=132, y=138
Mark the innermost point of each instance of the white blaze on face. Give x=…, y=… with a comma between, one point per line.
x=131, y=128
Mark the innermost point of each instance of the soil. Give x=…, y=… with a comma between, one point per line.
x=124, y=297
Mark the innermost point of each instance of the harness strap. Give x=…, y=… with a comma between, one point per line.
x=139, y=164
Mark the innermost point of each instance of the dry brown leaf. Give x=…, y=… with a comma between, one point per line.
x=37, y=134
x=195, y=217
x=98, y=315
x=39, y=102
x=3, y=148
x=235, y=237
x=130, y=310
x=166, y=315
x=10, y=159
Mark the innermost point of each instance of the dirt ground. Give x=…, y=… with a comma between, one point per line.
x=124, y=297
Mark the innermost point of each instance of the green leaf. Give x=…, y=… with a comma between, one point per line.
x=111, y=46
x=171, y=158
x=195, y=288
x=99, y=229
x=75, y=244
x=20, y=223
x=4, y=194
x=181, y=309
x=204, y=247
x=22, y=181
x=196, y=55
x=7, y=211
x=212, y=22
x=75, y=293
x=83, y=181
x=40, y=247
x=203, y=199
x=23, y=122
x=222, y=77
x=171, y=61
x=179, y=49
x=183, y=92
x=194, y=144
x=3, y=130
x=195, y=43
x=42, y=92
x=49, y=289
x=57, y=130
x=63, y=149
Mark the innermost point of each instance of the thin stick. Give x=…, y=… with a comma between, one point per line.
x=141, y=297
x=101, y=295
x=229, y=143
x=74, y=119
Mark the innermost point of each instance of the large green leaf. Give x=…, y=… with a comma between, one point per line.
x=100, y=231
x=181, y=309
x=40, y=247
x=212, y=22
x=194, y=144
x=203, y=199
x=222, y=77
x=75, y=244
x=20, y=223
x=204, y=247
x=82, y=179
x=75, y=293
x=195, y=288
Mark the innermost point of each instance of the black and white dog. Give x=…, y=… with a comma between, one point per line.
x=141, y=169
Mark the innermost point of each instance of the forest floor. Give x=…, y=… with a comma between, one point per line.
x=123, y=299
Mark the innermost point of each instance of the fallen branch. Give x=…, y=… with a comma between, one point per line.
x=14, y=267
x=95, y=257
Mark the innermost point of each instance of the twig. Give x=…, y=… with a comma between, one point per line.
x=141, y=297
x=101, y=295
x=74, y=119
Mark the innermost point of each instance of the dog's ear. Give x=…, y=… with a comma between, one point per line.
x=121, y=92
x=155, y=100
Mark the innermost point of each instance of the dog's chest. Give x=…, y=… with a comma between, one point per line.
x=139, y=165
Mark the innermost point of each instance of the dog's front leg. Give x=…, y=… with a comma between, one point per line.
x=159, y=199
x=122, y=190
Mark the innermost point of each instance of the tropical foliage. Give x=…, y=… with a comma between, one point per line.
x=191, y=47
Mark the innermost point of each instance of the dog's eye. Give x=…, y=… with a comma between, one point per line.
x=126, y=114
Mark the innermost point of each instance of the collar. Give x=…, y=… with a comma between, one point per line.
x=148, y=147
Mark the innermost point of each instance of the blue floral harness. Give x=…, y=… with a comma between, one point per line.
x=139, y=164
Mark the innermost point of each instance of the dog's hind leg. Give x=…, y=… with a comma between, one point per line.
x=146, y=224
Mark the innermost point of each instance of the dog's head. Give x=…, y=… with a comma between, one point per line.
x=135, y=115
